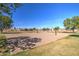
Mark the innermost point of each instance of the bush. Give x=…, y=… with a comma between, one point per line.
x=2, y=41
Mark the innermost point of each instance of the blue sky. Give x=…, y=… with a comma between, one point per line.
x=41, y=15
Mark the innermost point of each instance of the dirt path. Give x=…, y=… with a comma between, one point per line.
x=45, y=36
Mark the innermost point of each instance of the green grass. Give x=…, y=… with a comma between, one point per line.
x=68, y=46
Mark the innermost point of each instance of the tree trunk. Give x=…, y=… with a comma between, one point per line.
x=1, y=30
x=55, y=32
x=37, y=31
x=73, y=30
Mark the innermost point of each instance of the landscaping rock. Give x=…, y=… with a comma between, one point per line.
x=22, y=43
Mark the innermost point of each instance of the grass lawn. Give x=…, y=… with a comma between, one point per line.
x=68, y=46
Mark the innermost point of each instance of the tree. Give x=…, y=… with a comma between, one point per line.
x=8, y=8
x=45, y=29
x=72, y=23
x=35, y=29
x=76, y=21
x=69, y=24
x=5, y=23
x=56, y=29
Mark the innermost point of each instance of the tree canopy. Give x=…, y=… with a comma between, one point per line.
x=5, y=22
x=72, y=23
x=56, y=28
x=8, y=8
x=6, y=12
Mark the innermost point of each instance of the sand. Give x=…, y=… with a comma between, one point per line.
x=45, y=36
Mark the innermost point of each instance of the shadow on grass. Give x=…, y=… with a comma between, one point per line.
x=74, y=35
